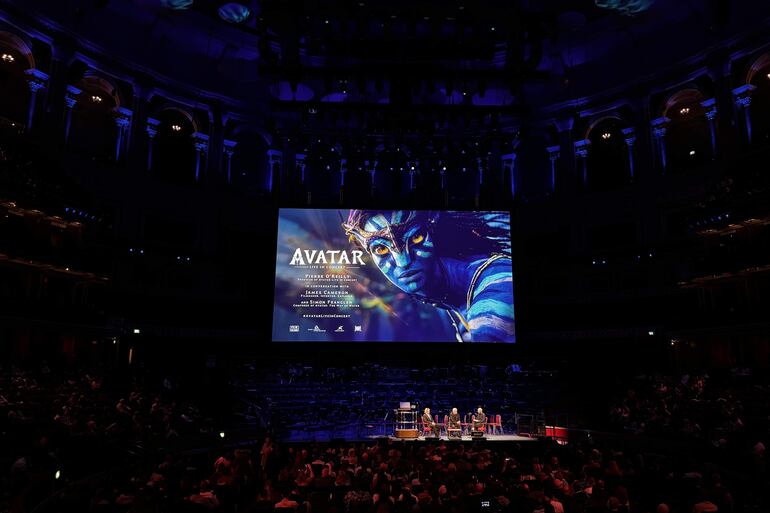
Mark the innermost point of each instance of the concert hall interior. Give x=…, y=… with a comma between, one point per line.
x=357, y=256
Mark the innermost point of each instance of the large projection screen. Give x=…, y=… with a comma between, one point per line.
x=393, y=276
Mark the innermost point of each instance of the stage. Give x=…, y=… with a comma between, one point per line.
x=355, y=435
x=464, y=438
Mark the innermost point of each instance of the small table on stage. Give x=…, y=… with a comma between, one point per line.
x=454, y=433
x=406, y=423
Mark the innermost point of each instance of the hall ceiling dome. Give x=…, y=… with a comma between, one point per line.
x=233, y=12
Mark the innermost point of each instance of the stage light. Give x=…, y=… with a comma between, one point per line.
x=651, y=333
x=326, y=22
x=176, y=128
x=96, y=98
x=57, y=475
x=443, y=168
x=684, y=110
x=137, y=331
x=221, y=434
x=492, y=29
x=606, y=135
x=692, y=153
x=7, y=57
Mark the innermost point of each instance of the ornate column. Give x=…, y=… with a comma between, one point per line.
x=480, y=165
x=201, y=142
x=135, y=145
x=659, y=129
x=55, y=103
x=566, y=154
x=228, y=147
x=70, y=100
x=553, y=155
x=299, y=163
x=742, y=97
x=371, y=167
x=274, y=165
x=581, y=155
x=122, y=118
x=509, y=169
x=710, y=107
x=629, y=136
x=36, y=80
x=152, y=131
x=343, y=170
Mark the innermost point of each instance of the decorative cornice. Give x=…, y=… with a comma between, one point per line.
x=201, y=141
x=554, y=152
x=581, y=147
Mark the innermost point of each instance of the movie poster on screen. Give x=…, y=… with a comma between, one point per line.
x=393, y=276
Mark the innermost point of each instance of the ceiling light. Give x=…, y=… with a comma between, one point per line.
x=606, y=135
x=96, y=98
x=7, y=57
x=176, y=128
x=684, y=110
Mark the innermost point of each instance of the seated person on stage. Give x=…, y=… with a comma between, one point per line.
x=428, y=423
x=479, y=420
x=453, y=425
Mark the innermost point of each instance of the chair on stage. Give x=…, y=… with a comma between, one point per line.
x=465, y=425
x=425, y=430
x=452, y=433
x=441, y=425
x=495, y=425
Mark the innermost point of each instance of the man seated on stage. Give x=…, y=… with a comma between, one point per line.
x=479, y=420
x=428, y=423
x=453, y=425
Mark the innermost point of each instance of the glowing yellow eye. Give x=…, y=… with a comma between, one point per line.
x=381, y=250
x=416, y=239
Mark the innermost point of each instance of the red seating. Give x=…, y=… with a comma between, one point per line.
x=496, y=424
x=441, y=425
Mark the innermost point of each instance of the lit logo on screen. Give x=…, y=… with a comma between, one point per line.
x=328, y=257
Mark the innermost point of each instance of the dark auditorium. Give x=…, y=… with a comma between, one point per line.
x=395, y=256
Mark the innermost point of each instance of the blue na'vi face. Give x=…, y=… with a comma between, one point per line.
x=410, y=264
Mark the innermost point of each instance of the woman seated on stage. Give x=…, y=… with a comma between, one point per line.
x=428, y=424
